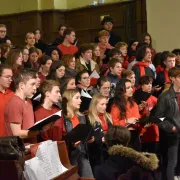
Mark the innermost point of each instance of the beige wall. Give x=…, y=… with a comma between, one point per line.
x=163, y=23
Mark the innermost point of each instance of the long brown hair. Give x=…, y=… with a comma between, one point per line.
x=120, y=101
x=12, y=58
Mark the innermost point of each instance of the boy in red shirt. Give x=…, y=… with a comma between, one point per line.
x=66, y=47
x=50, y=95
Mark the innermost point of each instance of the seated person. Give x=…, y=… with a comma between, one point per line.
x=115, y=71
x=18, y=113
x=85, y=59
x=70, y=64
x=45, y=64
x=59, y=39
x=104, y=45
x=66, y=47
x=83, y=84
x=122, y=47
x=50, y=95
x=54, y=53
x=6, y=94
x=123, y=158
x=3, y=35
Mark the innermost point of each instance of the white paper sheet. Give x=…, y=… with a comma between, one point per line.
x=85, y=94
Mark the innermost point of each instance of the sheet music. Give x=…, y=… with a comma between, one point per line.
x=38, y=98
x=85, y=94
x=43, y=156
x=94, y=74
x=57, y=113
x=46, y=165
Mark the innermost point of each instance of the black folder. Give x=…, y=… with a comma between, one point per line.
x=39, y=125
x=82, y=132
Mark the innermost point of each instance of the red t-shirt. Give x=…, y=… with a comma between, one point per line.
x=55, y=133
x=131, y=112
x=4, y=98
x=18, y=111
x=67, y=49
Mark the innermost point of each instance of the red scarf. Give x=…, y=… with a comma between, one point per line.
x=142, y=66
x=167, y=80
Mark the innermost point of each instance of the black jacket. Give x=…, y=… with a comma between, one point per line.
x=148, y=72
x=167, y=112
x=121, y=160
x=68, y=126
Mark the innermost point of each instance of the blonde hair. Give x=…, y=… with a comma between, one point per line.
x=27, y=36
x=120, y=45
x=93, y=113
x=67, y=106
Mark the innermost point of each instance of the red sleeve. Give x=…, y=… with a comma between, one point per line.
x=115, y=113
x=15, y=114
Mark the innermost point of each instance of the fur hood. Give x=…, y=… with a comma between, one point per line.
x=147, y=161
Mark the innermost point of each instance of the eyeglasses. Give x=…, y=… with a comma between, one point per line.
x=3, y=31
x=106, y=88
x=7, y=77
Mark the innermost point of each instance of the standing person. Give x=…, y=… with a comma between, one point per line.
x=4, y=48
x=72, y=117
x=50, y=96
x=162, y=77
x=66, y=46
x=141, y=68
x=107, y=24
x=18, y=113
x=125, y=111
x=6, y=94
x=132, y=49
x=101, y=122
x=146, y=101
x=168, y=120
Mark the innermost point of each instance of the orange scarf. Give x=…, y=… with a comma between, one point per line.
x=167, y=80
x=142, y=66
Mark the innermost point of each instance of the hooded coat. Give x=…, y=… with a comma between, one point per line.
x=122, y=159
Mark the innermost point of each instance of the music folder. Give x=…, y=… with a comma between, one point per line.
x=52, y=118
x=82, y=132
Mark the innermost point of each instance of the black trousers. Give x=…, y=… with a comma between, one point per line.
x=169, y=145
